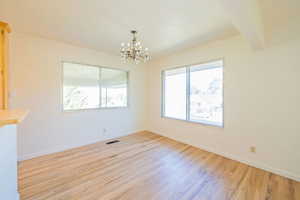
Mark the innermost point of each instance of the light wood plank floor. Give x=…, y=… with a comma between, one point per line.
x=147, y=166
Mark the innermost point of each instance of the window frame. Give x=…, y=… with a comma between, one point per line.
x=100, y=99
x=188, y=71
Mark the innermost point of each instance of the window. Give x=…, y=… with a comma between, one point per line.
x=175, y=93
x=88, y=87
x=194, y=93
x=113, y=88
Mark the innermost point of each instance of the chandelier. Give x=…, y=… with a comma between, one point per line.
x=133, y=51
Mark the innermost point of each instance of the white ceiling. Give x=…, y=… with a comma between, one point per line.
x=164, y=25
x=279, y=12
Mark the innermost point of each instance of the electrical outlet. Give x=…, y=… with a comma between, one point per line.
x=253, y=149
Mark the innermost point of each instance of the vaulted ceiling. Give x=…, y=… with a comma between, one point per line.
x=164, y=25
x=103, y=24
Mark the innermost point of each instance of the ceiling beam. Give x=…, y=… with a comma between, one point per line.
x=246, y=17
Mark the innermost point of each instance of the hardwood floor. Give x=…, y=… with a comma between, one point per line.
x=147, y=166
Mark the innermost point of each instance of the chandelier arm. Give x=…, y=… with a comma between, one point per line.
x=134, y=50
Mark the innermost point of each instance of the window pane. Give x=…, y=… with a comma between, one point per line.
x=80, y=87
x=113, y=88
x=175, y=93
x=206, y=93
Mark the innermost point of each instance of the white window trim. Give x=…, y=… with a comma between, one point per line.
x=203, y=122
x=90, y=109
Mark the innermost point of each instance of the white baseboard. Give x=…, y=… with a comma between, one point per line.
x=255, y=164
x=70, y=146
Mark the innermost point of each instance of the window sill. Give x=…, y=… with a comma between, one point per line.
x=205, y=123
x=91, y=109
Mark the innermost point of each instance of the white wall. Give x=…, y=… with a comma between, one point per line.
x=35, y=82
x=261, y=97
x=8, y=163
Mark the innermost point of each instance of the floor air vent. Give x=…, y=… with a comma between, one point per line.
x=111, y=142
